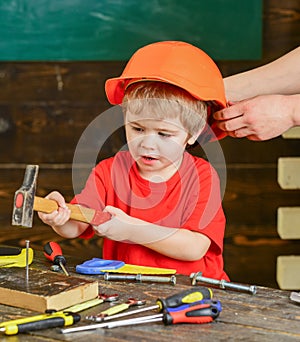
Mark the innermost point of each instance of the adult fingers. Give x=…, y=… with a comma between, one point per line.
x=232, y=124
x=235, y=110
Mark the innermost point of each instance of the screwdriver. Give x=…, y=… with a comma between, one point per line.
x=39, y=322
x=200, y=313
x=185, y=297
x=53, y=252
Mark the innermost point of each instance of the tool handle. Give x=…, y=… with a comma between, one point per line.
x=8, y=251
x=202, y=313
x=53, y=252
x=184, y=297
x=85, y=305
x=115, y=309
x=40, y=322
x=33, y=326
x=78, y=213
x=212, y=303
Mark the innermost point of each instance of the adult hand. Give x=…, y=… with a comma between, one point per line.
x=259, y=118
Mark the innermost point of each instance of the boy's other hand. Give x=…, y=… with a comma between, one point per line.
x=118, y=228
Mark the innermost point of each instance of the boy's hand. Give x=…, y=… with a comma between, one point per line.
x=119, y=227
x=122, y=227
x=58, y=217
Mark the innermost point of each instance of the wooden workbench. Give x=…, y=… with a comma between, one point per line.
x=267, y=316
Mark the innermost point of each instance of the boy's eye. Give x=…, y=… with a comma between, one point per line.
x=164, y=135
x=137, y=129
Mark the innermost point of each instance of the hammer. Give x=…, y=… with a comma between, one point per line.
x=25, y=202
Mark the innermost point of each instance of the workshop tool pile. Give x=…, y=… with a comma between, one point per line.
x=190, y=306
x=194, y=305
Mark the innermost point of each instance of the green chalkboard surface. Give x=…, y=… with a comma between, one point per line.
x=49, y=30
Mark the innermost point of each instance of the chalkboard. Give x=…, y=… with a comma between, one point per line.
x=53, y=30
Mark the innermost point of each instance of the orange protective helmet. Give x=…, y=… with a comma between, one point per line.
x=178, y=63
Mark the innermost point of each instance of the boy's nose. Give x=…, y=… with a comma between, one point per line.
x=148, y=141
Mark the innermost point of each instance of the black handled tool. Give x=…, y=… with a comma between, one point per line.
x=198, y=313
x=39, y=322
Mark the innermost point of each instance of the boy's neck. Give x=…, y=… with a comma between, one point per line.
x=164, y=175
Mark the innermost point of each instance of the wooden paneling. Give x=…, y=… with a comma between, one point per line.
x=45, y=108
x=288, y=173
x=288, y=222
x=288, y=277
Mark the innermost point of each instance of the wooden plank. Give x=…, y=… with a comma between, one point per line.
x=288, y=173
x=44, y=289
x=288, y=275
x=293, y=133
x=288, y=222
x=55, y=82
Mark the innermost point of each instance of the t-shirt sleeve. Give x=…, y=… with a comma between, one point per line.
x=205, y=213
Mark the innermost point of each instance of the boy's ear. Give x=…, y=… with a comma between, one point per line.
x=191, y=141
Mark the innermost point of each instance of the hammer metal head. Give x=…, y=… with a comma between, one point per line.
x=24, y=198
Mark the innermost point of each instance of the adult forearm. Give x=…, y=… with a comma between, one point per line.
x=278, y=77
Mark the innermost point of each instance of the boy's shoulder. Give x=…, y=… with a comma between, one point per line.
x=190, y=158
x=201, y=164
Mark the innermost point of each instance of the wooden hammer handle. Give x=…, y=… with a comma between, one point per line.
x=78, y=212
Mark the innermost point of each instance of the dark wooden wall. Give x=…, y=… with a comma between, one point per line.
x=45, y=107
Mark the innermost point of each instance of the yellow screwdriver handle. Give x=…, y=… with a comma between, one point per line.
x=115, y=309
x=85, y=305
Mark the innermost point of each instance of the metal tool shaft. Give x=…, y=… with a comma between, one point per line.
x=147, y=319
x=123, y=314
x=27, y=261
x=222, y=284
x=64, y=269
x=140, y=278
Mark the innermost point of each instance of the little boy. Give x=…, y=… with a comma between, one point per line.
x=165, y=203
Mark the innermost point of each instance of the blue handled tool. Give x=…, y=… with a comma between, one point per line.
x=97, y=266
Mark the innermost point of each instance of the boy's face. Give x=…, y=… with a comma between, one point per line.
x=156, y=145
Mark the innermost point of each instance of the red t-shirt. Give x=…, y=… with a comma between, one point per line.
x=190, y=199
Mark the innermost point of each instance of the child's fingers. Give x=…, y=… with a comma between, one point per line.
x=58, y=197
x=56, y=218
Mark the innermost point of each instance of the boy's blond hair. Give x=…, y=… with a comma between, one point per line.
x=163, y=101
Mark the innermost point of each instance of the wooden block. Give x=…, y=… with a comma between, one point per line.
x=293, y=133
x=288, y=222
x=289, y=173
x=288, y=275
x=44, y=289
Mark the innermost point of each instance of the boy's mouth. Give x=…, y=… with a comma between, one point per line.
x=149, y=158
